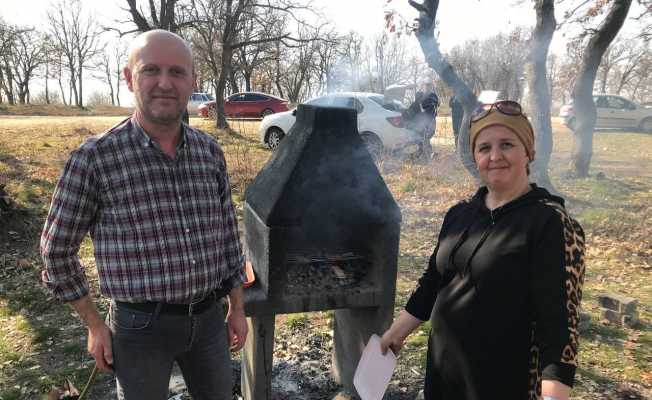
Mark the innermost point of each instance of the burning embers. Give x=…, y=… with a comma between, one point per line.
x=346, y=272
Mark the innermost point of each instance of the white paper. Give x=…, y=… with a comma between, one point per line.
x=374, y=370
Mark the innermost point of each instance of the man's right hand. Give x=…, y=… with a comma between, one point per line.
x=99, y=335
x=99, y=345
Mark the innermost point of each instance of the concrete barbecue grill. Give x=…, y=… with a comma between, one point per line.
x=322, y=232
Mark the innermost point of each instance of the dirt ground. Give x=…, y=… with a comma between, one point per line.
x=42, y=343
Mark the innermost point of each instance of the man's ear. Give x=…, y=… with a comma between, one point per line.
x=128, y=78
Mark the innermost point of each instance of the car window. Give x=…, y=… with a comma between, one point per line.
x=343, y=101
x=392, y=105
x=358, y=105
x=254, y=97
x=628, y=104
x=615, y=102
x=236, y=97
x=380, y=100
x=193, y=97
x=320, y=101
x=600, y=102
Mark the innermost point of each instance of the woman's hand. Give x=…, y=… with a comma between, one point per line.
x=401, y=328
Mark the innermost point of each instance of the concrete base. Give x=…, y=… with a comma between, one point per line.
x=257, y=359
x=352, y=329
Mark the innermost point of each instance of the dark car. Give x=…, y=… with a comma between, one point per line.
x=246, y=105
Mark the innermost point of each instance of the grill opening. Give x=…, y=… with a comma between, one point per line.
x=308, y=274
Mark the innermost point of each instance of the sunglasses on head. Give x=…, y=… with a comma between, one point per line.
x=507, y=107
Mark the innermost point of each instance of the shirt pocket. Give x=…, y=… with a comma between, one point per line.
x=205, y=188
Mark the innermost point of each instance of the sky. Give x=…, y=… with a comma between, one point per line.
x=460, y=20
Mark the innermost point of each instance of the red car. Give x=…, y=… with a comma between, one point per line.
x=246, y=105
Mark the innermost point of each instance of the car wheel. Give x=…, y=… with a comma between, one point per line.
x=266, y=112
x=373, y=143
x=646, y=125
x=274, y=137
x=212, y=113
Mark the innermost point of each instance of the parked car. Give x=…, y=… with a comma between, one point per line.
x=196, y=99
x=613, y=112
x=246, y=105
x=380, y=127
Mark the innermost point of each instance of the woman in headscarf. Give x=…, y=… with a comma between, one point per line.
x=502, y=289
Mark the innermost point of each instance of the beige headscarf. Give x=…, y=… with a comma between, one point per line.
x=518, y=124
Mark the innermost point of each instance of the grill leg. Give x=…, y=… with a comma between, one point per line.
x=257, y=358
x=352, y=329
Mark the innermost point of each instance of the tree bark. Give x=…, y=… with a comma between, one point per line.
x=584, y=108
x=225, y=69
x=539, y=91
x=430, y=48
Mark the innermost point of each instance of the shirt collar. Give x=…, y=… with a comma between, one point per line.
x=146, y=141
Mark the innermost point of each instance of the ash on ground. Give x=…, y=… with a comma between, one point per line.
x=301, y=371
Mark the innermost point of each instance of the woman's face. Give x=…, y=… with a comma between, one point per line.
x=501, y=158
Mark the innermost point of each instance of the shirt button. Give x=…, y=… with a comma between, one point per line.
x=179, y=198
x=187, y=230
x=193, y=262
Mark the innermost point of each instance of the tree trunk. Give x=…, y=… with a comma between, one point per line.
x=233, y=82
x=47, y=87
x=80, y=104
x=73, y=86
x=63, y=93
x=430, y=48
x=247, y=77
x=9, y=85
x=584, y=109
x=225, y=69
x=539, y=91
x=117, y=88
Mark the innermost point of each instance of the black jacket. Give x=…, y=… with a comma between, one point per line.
x=502, y=291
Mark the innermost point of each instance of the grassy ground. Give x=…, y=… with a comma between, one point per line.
x=42, y=342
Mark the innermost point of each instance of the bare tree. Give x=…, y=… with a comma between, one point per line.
x=219, y=24
x=425, y=33
x=540, y=89
x=76, y=36
x=296, y=68
x=168, y=16
x=8, y=35
x=109, y=66
x=327, y=53
x=507, y=52
x=27, y=55
x=584, y=107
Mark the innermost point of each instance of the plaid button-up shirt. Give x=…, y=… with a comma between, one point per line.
x=163, y=229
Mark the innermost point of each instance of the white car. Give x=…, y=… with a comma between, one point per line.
x=613, y=112
x=380, y=127
x=196, y=99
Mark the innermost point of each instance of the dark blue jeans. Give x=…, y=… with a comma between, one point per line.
x=145, y=346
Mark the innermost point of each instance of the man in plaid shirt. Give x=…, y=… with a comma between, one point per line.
x=154, y=195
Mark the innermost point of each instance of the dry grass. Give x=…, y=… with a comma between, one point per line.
x=40, y=340
x=61, y=110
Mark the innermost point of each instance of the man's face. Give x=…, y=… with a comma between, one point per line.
x=161, y=77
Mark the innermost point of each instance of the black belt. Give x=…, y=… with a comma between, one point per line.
x=168, y=308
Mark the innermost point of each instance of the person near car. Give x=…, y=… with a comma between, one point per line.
x=421, y=115
x=457, y=112
x=155, y=197
x=503, y=287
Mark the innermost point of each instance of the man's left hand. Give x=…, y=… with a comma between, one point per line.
x=236, y=321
